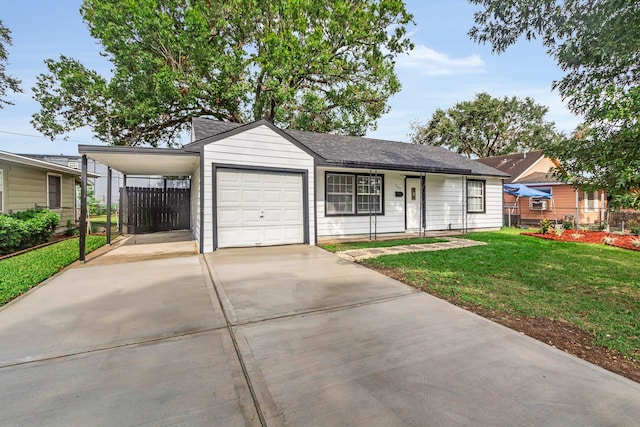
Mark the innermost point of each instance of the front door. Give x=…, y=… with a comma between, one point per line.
x=414, y=203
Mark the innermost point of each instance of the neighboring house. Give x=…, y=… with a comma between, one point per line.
x=535, y=171
x=99, y=183
x=259, y=185
x=27, y=183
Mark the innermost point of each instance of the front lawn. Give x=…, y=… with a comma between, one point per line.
x=22, y=272
x=339, y=247
x=595, y=288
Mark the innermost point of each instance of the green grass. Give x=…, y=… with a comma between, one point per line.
x=22, y=272
x=338, y=247
x=594, y=287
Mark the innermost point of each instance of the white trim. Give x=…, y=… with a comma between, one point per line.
x=16, y=158
x=59, y=188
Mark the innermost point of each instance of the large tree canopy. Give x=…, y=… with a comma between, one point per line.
x=320, y=65
x=487, y=126
x=7, y=82
x=597, y=45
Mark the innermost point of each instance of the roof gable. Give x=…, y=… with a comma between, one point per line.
x=354, y=151
x=513, y=164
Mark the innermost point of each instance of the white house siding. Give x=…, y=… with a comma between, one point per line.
x=446, y=205
x=256, y=147
x=391, y=222
x=26, y=187
x=492, y=218
x=195, y=205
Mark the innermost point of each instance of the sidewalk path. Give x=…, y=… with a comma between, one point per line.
x=364, y=253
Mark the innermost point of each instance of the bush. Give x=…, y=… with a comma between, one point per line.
x=25, y=229
x=545, y=226
x=633, y=225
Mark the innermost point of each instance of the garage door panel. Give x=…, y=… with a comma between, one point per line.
x=258, y=208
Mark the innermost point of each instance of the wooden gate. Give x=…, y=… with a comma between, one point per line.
x=147, y=210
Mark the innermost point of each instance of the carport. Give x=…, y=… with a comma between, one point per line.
x=131, y=161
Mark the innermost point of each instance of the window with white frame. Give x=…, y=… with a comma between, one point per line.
x=475, y=196
x=353, y=194
x=1, y=190
x=590, y=201
x=54, y=191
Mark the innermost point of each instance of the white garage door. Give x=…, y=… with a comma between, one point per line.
x=259, y=208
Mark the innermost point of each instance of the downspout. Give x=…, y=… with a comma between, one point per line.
x=375, y=217
x=368, y=201
x=83, y=211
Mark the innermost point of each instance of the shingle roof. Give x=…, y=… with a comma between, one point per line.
x=513, y=164
x=366, y=152
x=539, y=177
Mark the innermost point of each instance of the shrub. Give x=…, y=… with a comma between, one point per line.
x=22, y=230
x=559, y=231
x=545, y=226
x=567, y=224
x=633, y=225
x=636, y=242
x=608, y=240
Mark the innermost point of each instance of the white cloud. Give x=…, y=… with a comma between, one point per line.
x=433, y=63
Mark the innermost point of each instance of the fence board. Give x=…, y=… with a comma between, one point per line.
x=155, y=209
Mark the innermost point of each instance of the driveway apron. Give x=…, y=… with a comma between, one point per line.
x=126, y=343
x=330, y=343
x=287, y=335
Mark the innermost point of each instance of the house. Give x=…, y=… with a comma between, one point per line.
x=534, y=170
x=99, y=182
x=27, y=183
x=259, y=185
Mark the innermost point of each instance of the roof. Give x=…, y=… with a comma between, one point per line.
x=513, y=164
x=41, y=164
x=540, y=178
x=147, y=161
x=355, y=151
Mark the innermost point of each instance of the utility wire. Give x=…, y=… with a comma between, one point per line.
x=43, y=137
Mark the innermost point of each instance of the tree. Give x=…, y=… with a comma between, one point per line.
x=319, y=65
x=596, y=44
x=487, y=126
x=6, y=81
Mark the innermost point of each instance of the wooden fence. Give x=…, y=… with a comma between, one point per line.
x=147, y=210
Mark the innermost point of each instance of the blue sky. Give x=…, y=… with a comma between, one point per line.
x=444, y=68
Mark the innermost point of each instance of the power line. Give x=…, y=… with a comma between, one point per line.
x=43, y=137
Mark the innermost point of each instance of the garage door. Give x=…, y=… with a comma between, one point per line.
x=259, y=208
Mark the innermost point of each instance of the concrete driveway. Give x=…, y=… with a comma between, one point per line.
x=305, y=338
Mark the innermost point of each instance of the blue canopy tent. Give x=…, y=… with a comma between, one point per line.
x=521, y=190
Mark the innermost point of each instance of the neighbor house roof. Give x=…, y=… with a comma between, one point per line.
x=540, y=178
x=354, y=151
x=513, y=164
x=41, y=164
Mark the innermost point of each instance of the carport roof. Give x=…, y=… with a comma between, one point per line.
x=144, y=161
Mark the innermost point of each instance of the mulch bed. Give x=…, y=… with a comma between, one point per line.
x=624, y=241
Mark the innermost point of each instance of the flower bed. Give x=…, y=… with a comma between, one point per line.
x=624, y=241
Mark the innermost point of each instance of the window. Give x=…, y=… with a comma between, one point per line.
x=1, y=190
x=351, y=194
x=54, y=191
x=475, y=196
x=590, y=201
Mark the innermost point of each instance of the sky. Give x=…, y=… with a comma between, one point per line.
x=444, y=68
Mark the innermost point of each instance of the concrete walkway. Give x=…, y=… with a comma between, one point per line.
x=365, y=253
x=276, y=336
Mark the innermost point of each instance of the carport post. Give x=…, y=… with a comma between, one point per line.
x=123, y=191
x=109, y=205
x=83, y=210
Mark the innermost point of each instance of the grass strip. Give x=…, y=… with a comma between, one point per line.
x=22, y=272
x=594, y=287
x=339, y=247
